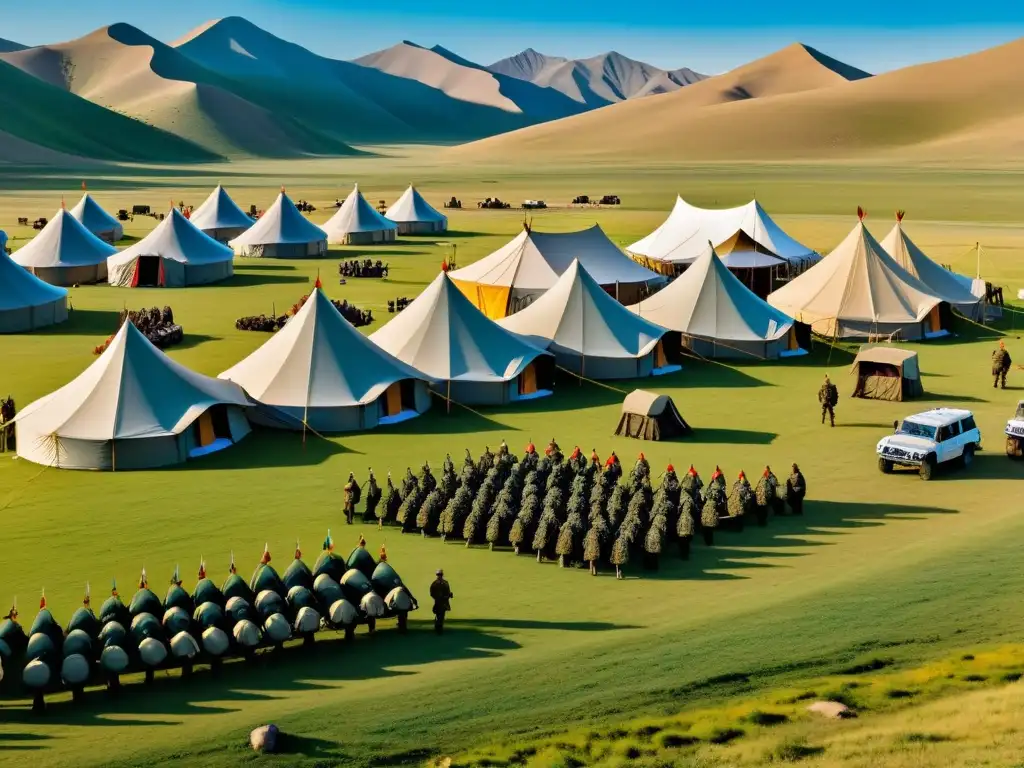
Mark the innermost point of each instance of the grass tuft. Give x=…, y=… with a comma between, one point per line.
x=793, y=750
x=757, y=717
x=924, y=738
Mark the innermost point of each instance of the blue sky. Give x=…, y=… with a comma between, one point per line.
x=876, y=35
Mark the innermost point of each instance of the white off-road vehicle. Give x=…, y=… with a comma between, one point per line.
x=927, y=439
x=1015, y=433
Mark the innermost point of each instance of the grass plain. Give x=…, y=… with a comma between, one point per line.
x=919, y=570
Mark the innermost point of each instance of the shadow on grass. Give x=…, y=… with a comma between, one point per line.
x=723, y=436
x=85, y=322
x=246, y=279
x=245, y=266
x=994, y=465
x=363, y=252
x=437, y=421
x=563, y=626
x=267, y=447
x=327, y=665
x=192, y=340
x=936, y=397
x=21, y=742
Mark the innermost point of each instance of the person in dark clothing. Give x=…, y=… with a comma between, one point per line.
x=441, y=593
x=1001, y=363
x=352, y=494
x=828, y=396
x=796, y=490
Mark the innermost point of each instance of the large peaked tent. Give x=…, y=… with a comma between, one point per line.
x=717, y=316
x=282, y=232
x=952, y=288
x=357, y=223
x=473, y=359
x=175, y=254
x=414, y=215
x=96, y=220
x=859, y=291
x=588, y=331
x=26, y=302
x=133, y=408
x=323, y=373
x=220, y=217
x=66, y=253
x=684, y=235
x=517, y=273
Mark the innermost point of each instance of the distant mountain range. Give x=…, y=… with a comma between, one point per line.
x=230, y=88
x=597, y=81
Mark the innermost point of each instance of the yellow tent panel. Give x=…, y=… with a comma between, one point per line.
x=206, y=433
x=528, y=380
x=492, y=300
x=393, y=403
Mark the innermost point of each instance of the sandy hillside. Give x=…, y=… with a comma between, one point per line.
x=796, y=104
x=125, y=70
x=596, y=81
x=57, y=121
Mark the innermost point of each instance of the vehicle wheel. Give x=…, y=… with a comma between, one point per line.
x=968, y=456
x=885, y=466
x=1013, y=447
x=927, y=467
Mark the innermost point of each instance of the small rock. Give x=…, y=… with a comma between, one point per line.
x=831, y=709
x=264, y=738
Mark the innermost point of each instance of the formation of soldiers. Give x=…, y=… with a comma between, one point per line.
x=364, y=268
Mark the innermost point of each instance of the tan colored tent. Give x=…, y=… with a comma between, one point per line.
x=886, y=373
x=650, y=416
x=858, y=291
x=516, y=274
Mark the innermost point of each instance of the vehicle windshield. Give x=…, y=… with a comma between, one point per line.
x=1020, y=410
x=914, y=429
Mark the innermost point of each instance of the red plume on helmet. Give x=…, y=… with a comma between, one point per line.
x=767, y=471
x=692, y=471
x=266, y=555
x=900, y=214
x=861, y=213
x=670, y=468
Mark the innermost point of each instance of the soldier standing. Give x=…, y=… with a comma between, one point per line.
x=352, y=493
x=828, y=396
x=796, y=489
x=1001, y=363
x=441, y=593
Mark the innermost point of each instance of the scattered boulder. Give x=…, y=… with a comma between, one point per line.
x=833, y=710
x=264, y=738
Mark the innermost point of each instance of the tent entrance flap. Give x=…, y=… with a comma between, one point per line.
x=935, y=320
x=147, y=272
x=660, y=359
x=528, y=380
x=205, y=434
x=393, y=399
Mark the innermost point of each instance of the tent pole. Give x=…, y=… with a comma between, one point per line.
x=113, y=456
x=448, y=399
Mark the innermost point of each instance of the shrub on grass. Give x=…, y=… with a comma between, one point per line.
x=793, y=750
x=757, y=717
x=725, y=735
x=923, y=738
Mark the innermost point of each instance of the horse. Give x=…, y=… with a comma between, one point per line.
x=7, y=413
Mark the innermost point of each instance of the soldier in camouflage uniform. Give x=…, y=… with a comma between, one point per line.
x=1001, y=363
x=828, y=396
x=352, y=493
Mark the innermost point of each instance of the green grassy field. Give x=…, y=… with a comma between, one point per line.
x=920, y=569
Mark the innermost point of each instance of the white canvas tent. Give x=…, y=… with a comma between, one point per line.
x=133, y=408
x=414, y=215
x=175, y=254
x=96, y=220
x=717, y=316
x=356, y=223
x=684, y=236
x=322, y=372
x=26, y=302
x=588, y=331
x=220, y=218
x=952, y=288
x=282, y=232
x=473, y=359
x=517, y=273
x=858, y=291
x=66, y=253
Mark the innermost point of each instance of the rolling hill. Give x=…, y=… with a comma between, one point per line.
x=45, y=124
x=6, y=46
x=128, y=72
x=798, y=104
x=596, y=81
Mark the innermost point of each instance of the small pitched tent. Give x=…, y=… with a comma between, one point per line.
x=952, y=288
x=517, y=273
x=886, y=373
x=26, y=302
x=96, y=220
x=133, y=408
x=415, y=216
x=175, y=254
x=356, y=223
x=321, y=371
x=717, y=316
x=685, y=234
x=588, y=331
x=282, y=232
x=473, y=359
x=858, y=291
x=66, y=253
x=220, y=218
x=650, y=416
